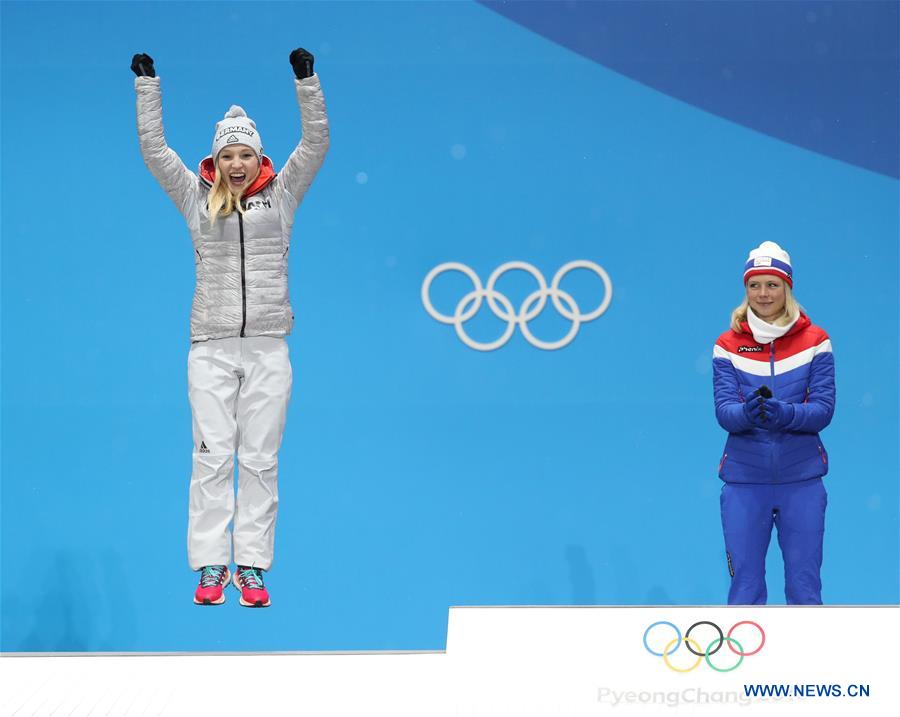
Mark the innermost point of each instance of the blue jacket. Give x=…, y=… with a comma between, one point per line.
x=799, y=369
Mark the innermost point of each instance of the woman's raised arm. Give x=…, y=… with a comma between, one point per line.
x=304, y=162
x=165, y=165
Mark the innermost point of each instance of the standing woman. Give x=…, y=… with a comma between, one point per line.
x=239, y=213
x=773, y=375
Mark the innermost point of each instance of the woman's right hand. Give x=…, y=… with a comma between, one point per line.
x=754, y=409
x=142, y=65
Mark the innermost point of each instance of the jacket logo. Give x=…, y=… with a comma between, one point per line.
x=203, y=448
x=258, y=204
x=751, y=349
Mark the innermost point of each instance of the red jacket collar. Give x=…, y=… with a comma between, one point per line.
x=263, y=180
x=799, y=325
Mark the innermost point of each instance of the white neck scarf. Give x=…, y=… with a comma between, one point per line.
x=763, y=331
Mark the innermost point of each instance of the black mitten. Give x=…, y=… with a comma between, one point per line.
x=302, y=62
x=142, y=65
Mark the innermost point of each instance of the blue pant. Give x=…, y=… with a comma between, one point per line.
x=798, y=512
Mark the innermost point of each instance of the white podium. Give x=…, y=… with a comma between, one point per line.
x=515, y=661
x=673, y=660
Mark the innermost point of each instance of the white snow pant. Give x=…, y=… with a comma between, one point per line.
x=239, y=390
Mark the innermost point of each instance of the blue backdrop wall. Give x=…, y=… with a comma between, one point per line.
x=660, y=141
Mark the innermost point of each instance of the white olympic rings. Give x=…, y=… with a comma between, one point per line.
x=533, y=305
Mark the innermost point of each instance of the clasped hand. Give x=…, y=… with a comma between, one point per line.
x=768, y=412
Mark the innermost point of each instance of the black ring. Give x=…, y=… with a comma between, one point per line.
x=711, y=652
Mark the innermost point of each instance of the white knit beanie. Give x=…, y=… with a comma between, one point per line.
x=769, y=258
x=236, y=128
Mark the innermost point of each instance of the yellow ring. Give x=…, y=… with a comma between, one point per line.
x=678, y=669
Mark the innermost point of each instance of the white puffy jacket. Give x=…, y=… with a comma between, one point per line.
x=241, y=261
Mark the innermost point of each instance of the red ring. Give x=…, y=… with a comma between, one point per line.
x=761, y=632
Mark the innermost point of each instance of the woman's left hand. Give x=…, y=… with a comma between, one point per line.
x=302, y=62
x=779, y=413
x=142, y=65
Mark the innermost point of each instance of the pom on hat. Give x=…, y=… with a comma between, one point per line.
x=236, y=128
x=238, y=111
x=769, y=258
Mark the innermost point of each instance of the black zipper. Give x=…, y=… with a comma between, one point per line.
x=243, y=277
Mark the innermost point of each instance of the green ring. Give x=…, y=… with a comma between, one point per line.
x=726, y=669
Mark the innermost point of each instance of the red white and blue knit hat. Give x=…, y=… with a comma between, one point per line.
x=769, y=258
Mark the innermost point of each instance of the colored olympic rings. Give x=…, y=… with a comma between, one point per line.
x=737, y=664
x=761, y=642
x=667, y=652
x=695, y=648
x=647, y=632
x=697, y=624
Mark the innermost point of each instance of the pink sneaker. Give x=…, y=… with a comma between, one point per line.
x=250, y=582
x=211, y=590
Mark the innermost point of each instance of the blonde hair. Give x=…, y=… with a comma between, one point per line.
x=221, y=200
x=790, y=313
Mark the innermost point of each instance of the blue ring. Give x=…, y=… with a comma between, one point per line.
x=662, y=622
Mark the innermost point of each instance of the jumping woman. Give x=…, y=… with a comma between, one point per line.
x=239, y=212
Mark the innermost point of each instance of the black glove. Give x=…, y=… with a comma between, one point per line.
x=302, y=62
x=142, y=65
